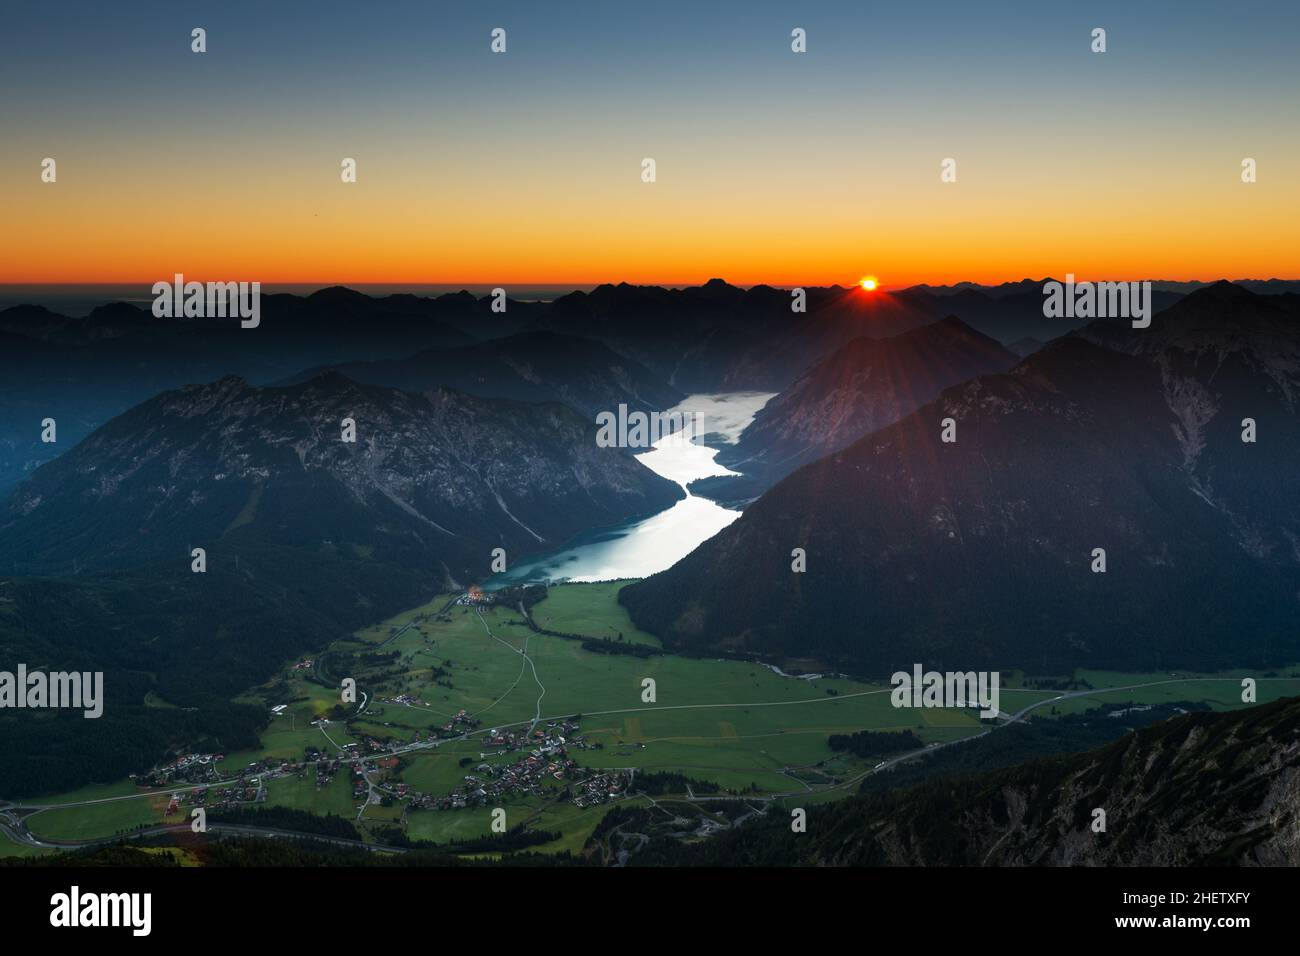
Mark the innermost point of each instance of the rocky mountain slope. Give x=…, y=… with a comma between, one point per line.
x=980, y=552
x=864, y=385
x=432, y=481
x=1200, y=790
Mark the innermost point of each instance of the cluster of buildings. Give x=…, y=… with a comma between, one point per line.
x=547, y=759
x=544, y=763
x=326, y=768
x=246, y=790
x=187, y=768
x=556, y=733
x=602, y=788
x=406, y=700
x=459, y=724
x=475, y=597
x=489, y=784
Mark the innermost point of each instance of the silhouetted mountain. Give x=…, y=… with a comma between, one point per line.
x=1023, y=286
x=864, y=385
x=979, y=552
x=433, y=481
x=717, y=337
x=1199, y=790
x=1010, y=312
x=835, y=316
x=83, y=371
x=528, y=366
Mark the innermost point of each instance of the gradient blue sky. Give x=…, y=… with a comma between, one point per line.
x=525, y=167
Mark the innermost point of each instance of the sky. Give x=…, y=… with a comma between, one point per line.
x=524, y=168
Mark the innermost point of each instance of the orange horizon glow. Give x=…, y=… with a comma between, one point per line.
x=526, y=169
x=97, y=232
x=561, y=285
x=540, y=284
x=44, y=255
x=105, y=221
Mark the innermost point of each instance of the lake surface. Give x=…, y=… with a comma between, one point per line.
x=640, y=548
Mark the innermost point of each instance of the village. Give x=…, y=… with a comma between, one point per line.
x=248, y=785
x=545, y=765
x=548, y=759
x=539, y=762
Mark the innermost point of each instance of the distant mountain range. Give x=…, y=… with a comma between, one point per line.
x=1011, y=313
x=717, y=337
x=83, y=371
x=652, y=346
x=658, y=344
x=1259, y=286
x=582, y=373
x=980, y=552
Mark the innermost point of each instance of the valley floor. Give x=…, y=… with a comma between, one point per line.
x=556, y=733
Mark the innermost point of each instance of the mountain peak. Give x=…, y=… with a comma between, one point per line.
x=336, y=293
x=117, y=312
x=1223, y=289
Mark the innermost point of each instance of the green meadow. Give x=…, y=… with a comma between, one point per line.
x=97, y=820
x=590, y=609
x=11, y=850
x=303, y=794
x=735, y=724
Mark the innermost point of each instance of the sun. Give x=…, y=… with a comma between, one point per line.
x=869, y=283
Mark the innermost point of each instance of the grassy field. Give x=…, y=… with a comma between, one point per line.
x=96, y=820
x=590, y=609
x=735, y=724
x=302, y=794
x=21, y=850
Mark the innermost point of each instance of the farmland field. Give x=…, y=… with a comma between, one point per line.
x=730, y=726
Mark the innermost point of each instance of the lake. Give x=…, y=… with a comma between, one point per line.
x=640, y=548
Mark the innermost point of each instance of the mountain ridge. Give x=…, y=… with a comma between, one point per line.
x=978, y=552
x=439, y=475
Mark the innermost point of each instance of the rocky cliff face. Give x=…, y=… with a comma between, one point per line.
x=1196, y=791
x=1225, y=356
